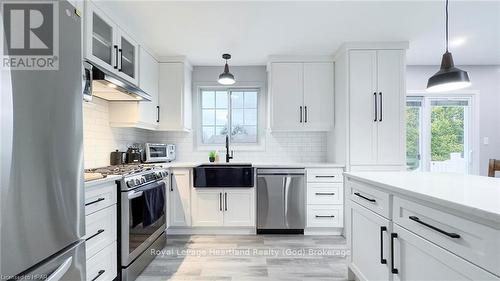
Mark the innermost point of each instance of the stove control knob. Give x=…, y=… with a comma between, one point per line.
x=130, y=183
x=137, y=181
x=143, y=180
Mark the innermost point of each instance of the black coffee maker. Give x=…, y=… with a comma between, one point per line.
x=133, y=155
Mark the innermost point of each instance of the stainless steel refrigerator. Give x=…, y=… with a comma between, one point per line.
x=41, y=164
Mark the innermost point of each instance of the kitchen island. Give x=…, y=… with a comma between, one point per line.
x=423, y=226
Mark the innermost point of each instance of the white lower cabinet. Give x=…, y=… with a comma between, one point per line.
x=223, y=207
x=207, y=207
x=370, y=249
x=417, y=259
x=325, y=201
x=239, y=207
x=103, y=265
x=416, y=241
x=179, y=196
x=101, y=231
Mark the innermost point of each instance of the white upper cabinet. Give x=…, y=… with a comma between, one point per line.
x=318, y=96
x=100, y=35
x=286, y=80
x=376, y=84
x=301, y=96
x=108, y=46
x=175, y=108
x=128, y=57
x=142, y=114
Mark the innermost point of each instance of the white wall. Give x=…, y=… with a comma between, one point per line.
x=277, y=147
x=485, y=79
x=99, y=139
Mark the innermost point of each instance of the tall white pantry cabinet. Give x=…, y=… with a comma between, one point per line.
x=369, y=131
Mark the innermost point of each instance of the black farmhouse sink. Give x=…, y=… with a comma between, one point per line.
x=223, y=175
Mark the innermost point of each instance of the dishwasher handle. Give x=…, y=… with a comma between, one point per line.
x=281, y=172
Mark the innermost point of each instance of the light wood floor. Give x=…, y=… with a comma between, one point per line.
x=250, y=257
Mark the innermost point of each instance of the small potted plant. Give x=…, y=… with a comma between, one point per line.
x=211, y=156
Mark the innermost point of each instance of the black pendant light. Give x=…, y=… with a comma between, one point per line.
x=226, y=78
x=448, y=77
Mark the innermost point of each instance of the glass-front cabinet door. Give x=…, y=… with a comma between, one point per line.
x=128, y=57
x=101, y=48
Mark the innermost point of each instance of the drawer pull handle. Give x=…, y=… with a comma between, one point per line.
x=318, y=216
x=325, y=176
x=325, y=193
x=101, y=272
x=366, y=198
x=95, y=201
x=95, y=234
x=382, y=260
x=449, y=234
x=393, y=270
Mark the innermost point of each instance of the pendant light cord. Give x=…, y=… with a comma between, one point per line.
x=447, y=26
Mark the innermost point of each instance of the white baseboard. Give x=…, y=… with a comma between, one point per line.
x=323, y=231
x=211, y=231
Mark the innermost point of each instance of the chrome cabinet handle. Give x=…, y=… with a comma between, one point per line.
x=95, y=234
x=286, y=184
x=305, y=114
x=366, y=198
x=101, y=272
x=331, y=216
x=324, y=177
x=375, y=103
x=449, y=234
x=95, y=201
x=300, y=109
x=325, y=193
x=157, y=114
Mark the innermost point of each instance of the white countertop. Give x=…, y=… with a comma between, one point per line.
x=475, y=195
x=103, y=180
x=256, y=165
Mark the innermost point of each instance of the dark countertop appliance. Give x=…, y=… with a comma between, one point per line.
x=133, y=155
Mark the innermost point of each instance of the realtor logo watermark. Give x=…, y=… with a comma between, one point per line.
x=30, y=35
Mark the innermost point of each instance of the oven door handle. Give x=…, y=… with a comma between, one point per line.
x=135, y=194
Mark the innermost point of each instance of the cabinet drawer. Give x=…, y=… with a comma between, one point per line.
x=369, y=197
x=100, y=230
x=325, y=216
x=98, y=197
x=324, y=193
x=324, y=175
x=103, y=265
x=470, y=240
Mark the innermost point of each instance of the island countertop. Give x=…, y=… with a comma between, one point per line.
x=476, y=195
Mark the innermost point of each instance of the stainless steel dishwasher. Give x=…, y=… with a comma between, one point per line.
x=281, y=206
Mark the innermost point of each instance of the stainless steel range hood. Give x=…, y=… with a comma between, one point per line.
x=110, y=87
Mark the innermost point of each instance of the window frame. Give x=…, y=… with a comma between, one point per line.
x=471, y=134
x=259, y=145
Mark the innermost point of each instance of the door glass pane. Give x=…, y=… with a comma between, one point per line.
x=413, y=135
x=448, y=127
x=102, y=39
x=127, y=59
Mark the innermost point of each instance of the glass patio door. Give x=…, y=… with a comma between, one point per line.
x=438, y=134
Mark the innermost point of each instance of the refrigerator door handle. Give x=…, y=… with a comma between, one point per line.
x=61, y=270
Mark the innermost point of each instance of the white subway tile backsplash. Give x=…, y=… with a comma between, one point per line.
x=100, y=140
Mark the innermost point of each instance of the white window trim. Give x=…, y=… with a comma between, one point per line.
x=474, y=139
x=261, y=117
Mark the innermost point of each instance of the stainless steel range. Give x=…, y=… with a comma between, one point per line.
x=142, y=214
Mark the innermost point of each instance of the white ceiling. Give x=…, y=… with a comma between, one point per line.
x=251, y=31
